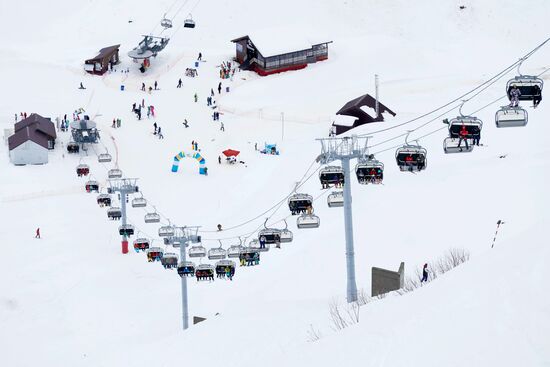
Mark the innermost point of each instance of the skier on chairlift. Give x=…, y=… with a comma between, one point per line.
x=463, y=136
x=515, y=93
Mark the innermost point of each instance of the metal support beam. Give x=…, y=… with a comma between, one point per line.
x=348, y=219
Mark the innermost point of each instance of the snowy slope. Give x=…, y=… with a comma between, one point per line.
x=71, y=298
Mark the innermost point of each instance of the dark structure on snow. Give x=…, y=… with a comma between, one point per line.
x=276, y=59
x=384, y=281
x=106, y=58
x=354, y=108
x=32, y=139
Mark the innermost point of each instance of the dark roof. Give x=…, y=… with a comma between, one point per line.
x=353, y=108
x=26, y=134
x=240, y=39
x=37, y=122
x=104, y=53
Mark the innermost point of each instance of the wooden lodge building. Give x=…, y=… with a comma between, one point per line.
x=269, y=54
x=107, y=57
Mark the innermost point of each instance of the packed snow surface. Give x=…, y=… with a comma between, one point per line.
x=72, y=299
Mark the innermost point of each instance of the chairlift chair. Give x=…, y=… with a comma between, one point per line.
x=114, y=173
x=411, y=158
x=197, y=251
x=82, y=170
x=216, y=253
x=171, y=241
x=104, y=199
x=270, y=235
x=92, y=186
x=104, y=158
x=139, y=202
x=508, y=116
x=234, y=251
x=114, y=213
x=154, y=254
x=186, y=269
x=335, y=199
x=141, y=244
x=529, y=86
x=204, y=272
x=250, y=256
x=451, y=145
x=189, y=22
x=166, y=23
x=299, y=203
x=169, y=260
x=472, y=124
x=166, y=231
x=73, y=148
x=369, y=171
x=331, y=176
x=126, y=230
x=222, y=265
x=152, y=218
x=308, y=221
x=286, y=234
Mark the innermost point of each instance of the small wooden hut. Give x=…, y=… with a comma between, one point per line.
x=107, y=57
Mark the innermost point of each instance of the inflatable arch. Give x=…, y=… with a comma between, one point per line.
x=194, y=155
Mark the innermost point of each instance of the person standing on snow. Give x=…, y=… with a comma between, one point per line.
x=143, y=87
x=155, y=126
x=219, y=160
x=200, y=57
x=179, y=83
x=185, y=123
x=196, y=97
x=222, y=127
x=515, y=93
x=37, y=233
x=220, y=88
x=424, y=274
x=156, y=85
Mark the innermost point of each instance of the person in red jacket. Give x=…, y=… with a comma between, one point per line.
x=37, y=233
x=463, y=135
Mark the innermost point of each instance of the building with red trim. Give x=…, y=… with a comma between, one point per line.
x=273, y=58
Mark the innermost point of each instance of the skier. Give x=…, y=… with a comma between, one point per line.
x=118, y=122
x=192, y=145
x=196, y=97
x=185, y=123
x=200, y=57
x=81, y=86
x=463, y=135
x=515, y=93
x=179, y=83
x=255, y=146
x=114, y=123
x=37, y=233
x=206, y=171
x=222, y=127
x=219, y=160
x=153, y=111
x=143, y=87
x=211, y=92
x=148, y=111
x=424, y=274
x=197, y=146
x=160, y=134
x=150, y=89
x=134, y=107
x=156, y=85
x=220, y=88
x=208, y=101
x=155, y=126
x=143, y=102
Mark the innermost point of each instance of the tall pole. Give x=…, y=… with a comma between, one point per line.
x=184, y=301
x=350, y=254
x=376, y=93
x=123, y=210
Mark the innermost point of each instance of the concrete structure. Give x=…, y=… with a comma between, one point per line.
x=197, y=319
x=384, y=281
x=32, y=139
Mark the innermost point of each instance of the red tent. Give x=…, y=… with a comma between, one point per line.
x=230, y=153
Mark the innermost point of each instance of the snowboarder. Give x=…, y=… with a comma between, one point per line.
x=37, y=233
x=222, y=127
x=179, y=83
x=81, y=86
x=155, y=126
x=220, y=88
x=143, y=87
x=200, y=57
x=515, y=93
x=463, y=136
x=424, y=274
x=156, y=85
x=185, y=123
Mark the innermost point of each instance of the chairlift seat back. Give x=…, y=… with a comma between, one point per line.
x=166, y=231
x=104, y=157
x=152, y=218
x=529, y=86
x=139, y=203
x=197, y=251
x=335, y=199
x=286, y=236
x=216, y=254
x=450, y=145
x=308, y=221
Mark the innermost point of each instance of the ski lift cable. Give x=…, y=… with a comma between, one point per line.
x=489, y=81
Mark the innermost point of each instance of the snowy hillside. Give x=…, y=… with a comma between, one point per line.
x=71, y=298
